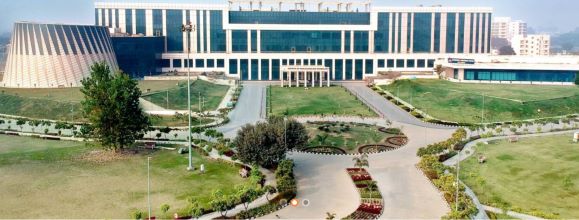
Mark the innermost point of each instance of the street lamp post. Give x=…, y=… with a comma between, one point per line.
x=149, y=185
x=457, y=180
x=188, y=28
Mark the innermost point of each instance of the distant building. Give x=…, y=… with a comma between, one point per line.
x=506, y=28
x=532, y=45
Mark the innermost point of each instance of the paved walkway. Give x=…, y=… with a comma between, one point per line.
x=384, y=107
x=511, y=213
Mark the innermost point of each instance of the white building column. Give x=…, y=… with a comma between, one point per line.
x=149, y=22
x=351, y=41
x=328, y=79
x=281, y=77
x=164, y=22
x=259, y=69
x=343, y=44
x=321, y=74
x=289, y=78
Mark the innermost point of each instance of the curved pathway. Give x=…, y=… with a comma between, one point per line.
x=407, y=193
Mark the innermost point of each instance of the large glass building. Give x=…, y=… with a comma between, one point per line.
x=252, y=40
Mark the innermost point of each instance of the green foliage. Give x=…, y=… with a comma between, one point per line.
x=222, y=203
x=267, y=142
x=136, y=214
x=165, y=208
x=439, y=147
x=112, y=106
x=246, y=195
x=361, y=161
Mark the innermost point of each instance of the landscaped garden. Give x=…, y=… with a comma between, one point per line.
x=536, y=175
x=179, y=120
x=296, y=101
x=463, y=102
x=211, y=95
x=352, y=138
x=57, y=104
x=372, y=203
x=59, y=179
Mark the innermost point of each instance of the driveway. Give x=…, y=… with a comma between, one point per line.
x=384, y=107
x=250, y=108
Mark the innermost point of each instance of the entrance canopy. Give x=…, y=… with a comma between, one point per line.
x=305, y=75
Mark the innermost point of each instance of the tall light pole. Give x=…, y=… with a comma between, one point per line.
x=188, y=28
x=483, y=110
x=149, y=185
x=457, y=180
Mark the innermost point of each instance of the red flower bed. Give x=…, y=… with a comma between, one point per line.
x=361, y=185
x=355, y=169
x=370, y=208
x=360, y=177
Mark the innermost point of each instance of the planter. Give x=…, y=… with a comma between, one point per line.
x=374, y=148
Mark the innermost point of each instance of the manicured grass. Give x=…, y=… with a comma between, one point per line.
x=540, y=173
x=212, y=93
x=57, y=104
x=151, y=86
x=315, y=101
x=345, y=135
x=50, y=179
x=39, y=108
x=462, y=102
x=172, y=121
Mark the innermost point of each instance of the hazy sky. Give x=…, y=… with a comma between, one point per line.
x=547, y=15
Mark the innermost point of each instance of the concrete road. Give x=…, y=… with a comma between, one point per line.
x=250, y=108
x=385, y=107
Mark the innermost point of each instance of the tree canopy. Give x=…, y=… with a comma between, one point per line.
x=111, y=105
x=266, y=143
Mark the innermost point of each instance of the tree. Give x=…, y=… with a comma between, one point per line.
x=197, y=130
x=136, y=214
x=507, y=51
x=361, y=161
x=20, y=122
x=222, y=203
x=321, y=138
x=196, y=210
x=165, y=131
x=372, y=187
x=112, y=107
x=266, y=143
x=330, y=216
x=165, y=208
x=246, y=195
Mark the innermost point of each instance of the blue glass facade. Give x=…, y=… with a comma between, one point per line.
x=218, y=41
x=239, y=38
x=129, y=20
x=520, y=75
x=139, y=56
x=382, y=36
x=174, y=34
x=300, y=41
x=422, y=32
x=296, y=17
x=141, y=21
x=450, y=32
x=361, y=42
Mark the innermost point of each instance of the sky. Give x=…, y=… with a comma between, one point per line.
x=542, y=15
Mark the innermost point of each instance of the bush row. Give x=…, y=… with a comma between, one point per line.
x=457, y=138
x=286, y=187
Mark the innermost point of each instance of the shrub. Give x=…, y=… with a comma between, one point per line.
x=136, y=214
x=165, y=208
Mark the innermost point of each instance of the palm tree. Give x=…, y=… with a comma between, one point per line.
x=322, y=138
x=330, y=216
x=361, y=161
x=372, y=187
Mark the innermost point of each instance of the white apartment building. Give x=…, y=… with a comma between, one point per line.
x=532, y=45
x=505, y=27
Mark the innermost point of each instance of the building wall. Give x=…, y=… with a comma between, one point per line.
x=353, y=44
x=532, y=45
x=53, y=55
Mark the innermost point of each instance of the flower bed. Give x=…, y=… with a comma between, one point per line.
x=371, y=206
x=397, y=141
x=374, y=148
x=389, y=130
x=325, y=150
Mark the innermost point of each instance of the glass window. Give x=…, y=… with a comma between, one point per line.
x=390, y=63
x=369, y=66
x=141, y=21
x=233, y=66
x=300, y=41
x=421, y=63
x=177, y=63
x=410, y=63
x=220, y=63
x=199, y=63
x=450, y=32
x=359, y=69
x=275, y=69
x=381, y=63
x=218, y=37
x=400, y=63
x=430, y=63
x=361, y=41
x=382, y=36
x=210, y=63
x=174, y=34
x=239, y=40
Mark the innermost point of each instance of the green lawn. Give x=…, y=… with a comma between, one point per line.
x=539, y=173
x=51, y=179
x=57, y=104
x=348, y=139
x=212, y=93
x=315, y=101
x=462, y=102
